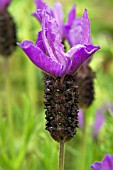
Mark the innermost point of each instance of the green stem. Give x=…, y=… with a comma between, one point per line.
x=7, y=100
x=84, y=141
x=61, y=156
x=31, y=83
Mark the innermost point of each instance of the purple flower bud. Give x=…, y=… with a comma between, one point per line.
x=106, y=164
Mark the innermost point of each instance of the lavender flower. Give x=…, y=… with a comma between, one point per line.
x=61, y=95
x=48, y=53
x=106, y=164
x=4, y=4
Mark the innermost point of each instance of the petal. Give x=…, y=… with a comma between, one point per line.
x=40, y=43
x=71, y=16
x=37, y=16
x=40, y=4
x=52, y=39
x=74, y=49
x=79, y=54
x=107, y=162
x=85, y=29
x=40, y=59
x=59, y=16
x=96, y=166
x=74, y=33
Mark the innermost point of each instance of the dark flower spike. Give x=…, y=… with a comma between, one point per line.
x=4, y=4
x=61, y=104
x=48, y=52
x=85, y=81
x=106, y=164
x=7, y=30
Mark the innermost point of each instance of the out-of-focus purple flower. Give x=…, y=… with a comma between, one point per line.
x=56, y=12
x=106, y=164
x=48, y=52
x=80, y=118
x=4, y=4
x=99, y=121
x=100, y=118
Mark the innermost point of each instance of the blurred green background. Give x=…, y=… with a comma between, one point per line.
x=24, y=143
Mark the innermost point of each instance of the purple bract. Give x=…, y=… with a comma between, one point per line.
x=4, y=4
x=56, y=12
x=106, y=164
x=48, y=52
x=77, y=30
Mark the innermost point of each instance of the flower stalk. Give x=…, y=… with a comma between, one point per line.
x=61, y=155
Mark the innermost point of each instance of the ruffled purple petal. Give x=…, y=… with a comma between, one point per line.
x=71, y=16
x=37, y=16
x=107, y=162
x=56, y=12
x=4, y=4
x=52, y=40
x=96, y=166
x=82, y=53
x=44, y=62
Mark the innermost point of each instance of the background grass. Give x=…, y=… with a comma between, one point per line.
x=24, y=143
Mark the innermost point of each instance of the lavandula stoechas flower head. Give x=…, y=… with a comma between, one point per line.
x=59, y=67
x=106, y=164
x=77, y=31
x=7, y=30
